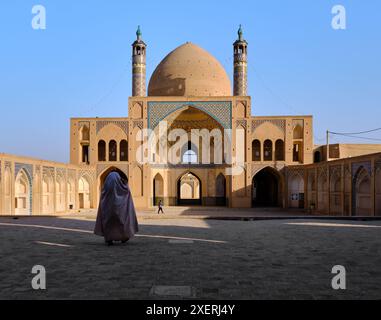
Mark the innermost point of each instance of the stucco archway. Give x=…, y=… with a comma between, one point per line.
x=22, y=194
x=361, y=193
x=189, y=190
x=296, y=191
x=221, y=190
x=266, y=188
x=84, y=193
x=158, y=189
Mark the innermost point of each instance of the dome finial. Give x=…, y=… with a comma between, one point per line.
x=139, y=33
x=240, y=33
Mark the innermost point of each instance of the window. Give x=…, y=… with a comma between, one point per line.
x=256, y=150
x=101, y=150
x=279, y=150
x=268, y=150
x=190, y=157
x=85, y=154
x=112, y=152
x=297, y=152
x=124, y=150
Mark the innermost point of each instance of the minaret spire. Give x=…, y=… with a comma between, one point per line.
x=240, y=33
x=240, y=64
x=138, y=33
x=139, y=66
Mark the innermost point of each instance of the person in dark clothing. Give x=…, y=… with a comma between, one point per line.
x=160, y=207
x=116, y=220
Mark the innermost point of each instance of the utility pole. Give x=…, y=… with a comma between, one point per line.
x=327, y=145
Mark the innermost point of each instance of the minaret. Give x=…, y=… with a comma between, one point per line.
x=240, y=65
x=139, y=66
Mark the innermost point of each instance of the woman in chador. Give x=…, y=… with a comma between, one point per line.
x=116, y=219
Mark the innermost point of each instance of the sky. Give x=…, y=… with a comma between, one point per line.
x=80, y=65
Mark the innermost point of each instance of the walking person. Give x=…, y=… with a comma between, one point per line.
x=160, y=207
x=116, y=220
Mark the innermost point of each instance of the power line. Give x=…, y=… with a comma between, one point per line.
x=357, y=137
x=355, y=133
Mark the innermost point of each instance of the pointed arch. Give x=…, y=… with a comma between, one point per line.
x=296, y=191
x=268, y=150
x=298, y=131
x=112, y=151
x=84, y=133
x=221, y=190
x=189, y=189
x=23, y=193
x=84, y=192
x=190, y=153
x=361, y=193
x=101, y=150
x=158, y=189
x=267, y=186
x=123, y=150
x=279, y=150
x=256, y=150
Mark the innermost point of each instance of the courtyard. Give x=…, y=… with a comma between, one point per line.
x=191, y=258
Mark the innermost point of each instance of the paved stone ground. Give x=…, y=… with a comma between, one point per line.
x=190, y=258
x=205, y=212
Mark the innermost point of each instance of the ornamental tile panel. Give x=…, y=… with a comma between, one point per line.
x=221, y=111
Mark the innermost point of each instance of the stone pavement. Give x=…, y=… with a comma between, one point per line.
x=191, y=259
x=222, y=213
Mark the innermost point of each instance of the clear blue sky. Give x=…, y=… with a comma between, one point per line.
x=80, y=65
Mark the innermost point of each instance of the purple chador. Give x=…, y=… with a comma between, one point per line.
x=116, y=219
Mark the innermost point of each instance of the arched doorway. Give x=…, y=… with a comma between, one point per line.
x=189, y=190
x=317, y=157
x=22, y=194
x=266, y=188
x=361, y=193
x=221, y=190
x=158, y=189
x=84, y=193
x=296, y=191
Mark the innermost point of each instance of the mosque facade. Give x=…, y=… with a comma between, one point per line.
x=207, y=150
